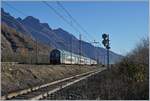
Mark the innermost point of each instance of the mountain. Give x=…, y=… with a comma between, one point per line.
x=17, y=44
x=13, y=23
x=55, y=38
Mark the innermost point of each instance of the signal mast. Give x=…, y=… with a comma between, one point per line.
x=106, y=43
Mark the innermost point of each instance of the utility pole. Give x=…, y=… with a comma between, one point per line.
x=108, y=58
x=95, y=42
x=106, y=43
x=80, y=48
x=36, y=51
x=104, y=59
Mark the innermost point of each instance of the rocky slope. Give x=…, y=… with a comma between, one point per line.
x=18, y=47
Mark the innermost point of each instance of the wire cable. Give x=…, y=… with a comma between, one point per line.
x=48, y=5
x=15, y=9
x=73, y=19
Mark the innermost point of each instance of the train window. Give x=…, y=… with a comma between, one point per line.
x=57, y=55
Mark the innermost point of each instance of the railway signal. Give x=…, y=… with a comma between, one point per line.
x=105, y=42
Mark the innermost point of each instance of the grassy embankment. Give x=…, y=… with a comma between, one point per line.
x=20, y=76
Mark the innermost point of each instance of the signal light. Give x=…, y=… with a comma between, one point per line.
x=105, y=40
x=104, y=36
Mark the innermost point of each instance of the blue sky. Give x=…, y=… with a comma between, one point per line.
x=125, y=22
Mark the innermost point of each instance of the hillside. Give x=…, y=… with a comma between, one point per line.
x=18, y=47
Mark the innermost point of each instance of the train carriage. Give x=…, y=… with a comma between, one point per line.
x=58, y=56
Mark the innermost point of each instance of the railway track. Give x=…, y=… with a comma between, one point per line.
x=39, y=92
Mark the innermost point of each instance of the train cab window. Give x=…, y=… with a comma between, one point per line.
x=57, y=55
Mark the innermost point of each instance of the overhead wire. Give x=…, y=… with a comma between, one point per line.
x=74, y=20
x=52, y=8
x=15, y=9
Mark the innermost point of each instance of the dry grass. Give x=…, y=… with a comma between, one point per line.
x=20, y=76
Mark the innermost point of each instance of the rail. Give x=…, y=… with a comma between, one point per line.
x=32, y=89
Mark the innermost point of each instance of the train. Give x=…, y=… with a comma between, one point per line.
x=58, y=56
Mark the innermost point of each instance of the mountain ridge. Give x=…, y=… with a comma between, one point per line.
x=56, y=38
